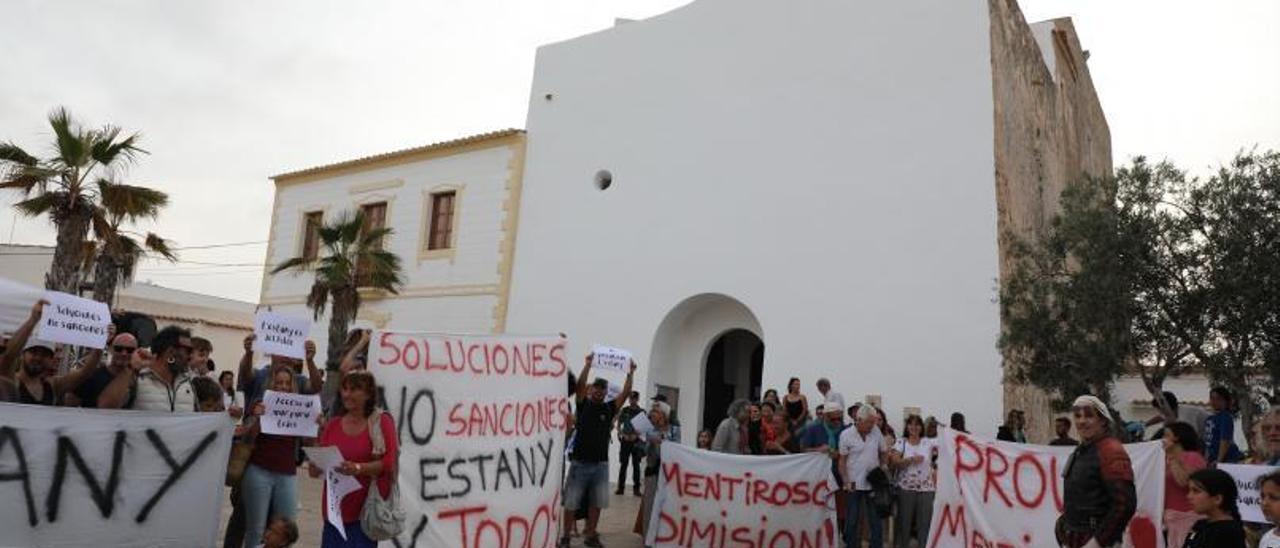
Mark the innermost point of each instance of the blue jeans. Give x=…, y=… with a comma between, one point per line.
x=858, y=501
x=355, y=537
x=263, y=490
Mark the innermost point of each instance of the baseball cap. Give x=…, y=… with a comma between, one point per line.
x=602, y=383
x=37, y=343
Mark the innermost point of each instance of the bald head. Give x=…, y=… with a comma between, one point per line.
x=122, y=349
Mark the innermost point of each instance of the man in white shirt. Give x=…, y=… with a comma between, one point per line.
x=861, y=451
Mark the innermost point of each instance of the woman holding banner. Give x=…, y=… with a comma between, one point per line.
x=1099, y=496
x=349, y=432
x=663, y=431
x=270, y=480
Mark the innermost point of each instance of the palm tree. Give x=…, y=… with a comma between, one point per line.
x=353, y=259
x=66, y=187
x=117, y=251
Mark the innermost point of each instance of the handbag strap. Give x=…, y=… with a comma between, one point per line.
x=375, y=433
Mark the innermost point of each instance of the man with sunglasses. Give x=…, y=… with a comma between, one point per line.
x=121, y=351
x=158, y=380
x=33, y=382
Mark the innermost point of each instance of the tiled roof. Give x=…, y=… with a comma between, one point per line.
x=403, y=152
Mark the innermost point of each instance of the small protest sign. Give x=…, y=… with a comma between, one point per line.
x=279, y=335
x=289, y=414
x=1247, y=478
x=641, y=424
x=74, y=320
x=608, y=358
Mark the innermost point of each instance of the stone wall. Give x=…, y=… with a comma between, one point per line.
x=1049, y=130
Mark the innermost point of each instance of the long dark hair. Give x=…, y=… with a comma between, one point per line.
x=1218, y=483
x=1185, y=435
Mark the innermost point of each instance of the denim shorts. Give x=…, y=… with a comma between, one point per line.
x=588, y=484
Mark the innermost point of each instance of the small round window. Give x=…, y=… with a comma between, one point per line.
x=603, y=179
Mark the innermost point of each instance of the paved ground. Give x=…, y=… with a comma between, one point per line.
x=615, y=523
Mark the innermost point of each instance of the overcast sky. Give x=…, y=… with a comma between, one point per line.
x=228, y=93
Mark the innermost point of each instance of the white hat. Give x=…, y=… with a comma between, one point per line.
x=1096, y=404
x=834, y=401
x=37, y=343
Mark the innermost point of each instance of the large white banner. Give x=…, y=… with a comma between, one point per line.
x=91, y=477
x=715, y=499
x=481, y=424
x=994, y=493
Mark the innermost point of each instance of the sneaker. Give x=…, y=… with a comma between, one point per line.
x=593, y=541
x=564, y=542
x=637, y=493
x=618, y=492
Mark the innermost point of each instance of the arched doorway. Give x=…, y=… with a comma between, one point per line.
x=733, y=370
x=703, y=332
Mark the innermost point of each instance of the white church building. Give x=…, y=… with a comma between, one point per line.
x=740, y=192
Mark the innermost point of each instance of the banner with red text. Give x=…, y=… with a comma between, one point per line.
x=481, y=423
x=994, y=493
x=718, y=500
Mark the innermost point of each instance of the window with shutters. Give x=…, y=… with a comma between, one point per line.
x=375, y=217
x=440, y=227
x=311, y=234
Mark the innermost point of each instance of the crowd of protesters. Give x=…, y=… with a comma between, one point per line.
x=173, y=375
x=888, y=477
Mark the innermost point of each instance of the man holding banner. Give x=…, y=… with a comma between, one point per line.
x=589, y=462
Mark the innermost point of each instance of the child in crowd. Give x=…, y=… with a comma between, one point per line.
x=208, y=395
x=1270, y=487
x=1213, y=494
x=282, y=533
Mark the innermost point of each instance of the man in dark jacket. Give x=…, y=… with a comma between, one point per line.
x=1099, y=497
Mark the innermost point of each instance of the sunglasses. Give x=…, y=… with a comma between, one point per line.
x=123, y=349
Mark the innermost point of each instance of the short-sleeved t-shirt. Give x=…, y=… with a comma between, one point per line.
x=917, y=476
x=862, y=454
x=593, y=423
x=1219, y=428
x=92, y=387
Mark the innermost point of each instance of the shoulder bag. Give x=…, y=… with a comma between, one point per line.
x=382, y=518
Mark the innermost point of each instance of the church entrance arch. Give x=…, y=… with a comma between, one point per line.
x=707, y=352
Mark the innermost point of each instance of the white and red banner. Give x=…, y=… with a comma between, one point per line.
x=481, y=423
x=993, y=493
x=718, y=500
x=98, y=477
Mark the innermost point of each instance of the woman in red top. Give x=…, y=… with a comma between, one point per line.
x=1183, y=456
x=349, y=432
x=270, y=480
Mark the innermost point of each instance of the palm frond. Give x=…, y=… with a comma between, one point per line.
x=108, y=148
x=318, y=298
x=160, y=246
x=374, y=238
x=26, y=179
x=41, y=204
x=88, y=254
x=73, y=150
x=12, y=153
x=129, y=201
x=103, y=229
x=296, y=263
